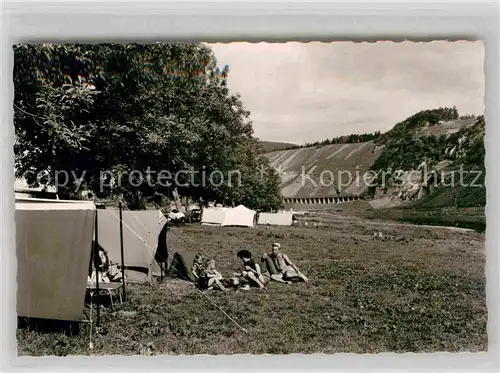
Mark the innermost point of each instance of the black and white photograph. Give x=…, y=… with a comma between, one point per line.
x=189, y=198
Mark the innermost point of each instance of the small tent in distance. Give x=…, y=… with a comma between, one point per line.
x=282, y=218
x=239, y=216
x=181, y=266
x=213, y=215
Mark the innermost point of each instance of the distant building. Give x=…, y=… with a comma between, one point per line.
x=23, y=190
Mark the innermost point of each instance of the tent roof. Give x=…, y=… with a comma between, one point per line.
x=42, y=204
x=243, y=208
x=239, y=216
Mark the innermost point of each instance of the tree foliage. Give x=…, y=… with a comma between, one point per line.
x=403, y=150
x=418, y=120
x=347, y=139
x=115, y=108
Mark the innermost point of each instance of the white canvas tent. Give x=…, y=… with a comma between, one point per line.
x=53, y=247
x=213, y=215
x=239, y=216
x=141, y=232
x=284, y=218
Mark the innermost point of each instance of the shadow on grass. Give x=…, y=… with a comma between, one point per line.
x=49, y=326
x=478, y=226
x=459, y=218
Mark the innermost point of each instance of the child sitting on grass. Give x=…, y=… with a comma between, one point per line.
x=214, y=277
x=198, y=270
x=206, y=276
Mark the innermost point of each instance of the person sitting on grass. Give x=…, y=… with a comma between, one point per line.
x=198, y=272
x=287, y=270
x=214, y=277
x=252, y=271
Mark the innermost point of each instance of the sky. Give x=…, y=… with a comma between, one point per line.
x=305, y=92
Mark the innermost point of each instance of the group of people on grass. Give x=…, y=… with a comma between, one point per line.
x=273, y=266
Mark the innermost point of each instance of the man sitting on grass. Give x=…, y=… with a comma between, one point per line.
x=253, y=271
x=287, y=270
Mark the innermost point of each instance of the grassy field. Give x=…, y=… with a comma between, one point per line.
x=414, y=289
x=470, y=217
x=461, y=217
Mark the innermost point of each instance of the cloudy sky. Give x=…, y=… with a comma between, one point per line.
x=303, y=92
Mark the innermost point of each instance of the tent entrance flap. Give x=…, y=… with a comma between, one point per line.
x=181, y=266
x=142, y=232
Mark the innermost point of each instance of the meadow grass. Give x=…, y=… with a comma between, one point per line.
x=414, y=289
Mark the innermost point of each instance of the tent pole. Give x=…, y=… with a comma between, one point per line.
x=121, y=249
x=96, y=253
x=165, y=263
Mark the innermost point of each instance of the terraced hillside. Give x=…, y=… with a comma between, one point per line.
x=329, y=171
x=438, y=170
x=319, y=174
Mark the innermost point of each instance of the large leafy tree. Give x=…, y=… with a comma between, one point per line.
x=147, y=108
